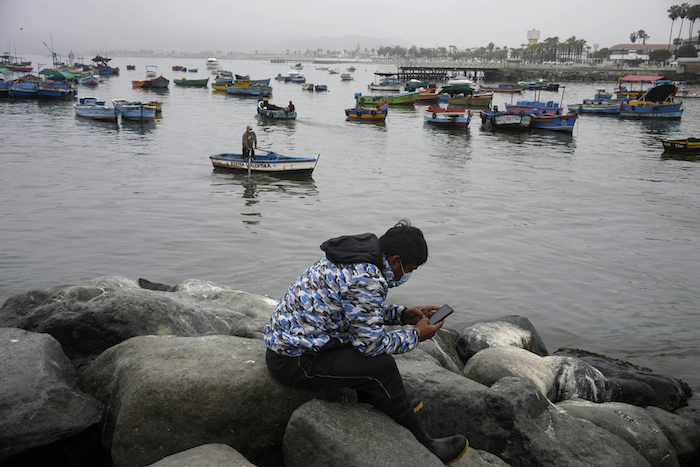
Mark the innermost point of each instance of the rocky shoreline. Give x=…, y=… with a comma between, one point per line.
x=119, y=372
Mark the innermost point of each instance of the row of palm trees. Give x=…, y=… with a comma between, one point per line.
x=683, y=11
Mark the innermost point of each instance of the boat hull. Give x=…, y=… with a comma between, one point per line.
x=507, y=120
x=200, y=83
x=690, y=146
x=135, y=111
x=563, y=123
x=447, y=117
x=269, y=163
x=366, y=115
x=96, y=112
x=651, y=110
x=56, y=91
x=248, y=91
x=24, y=90
x=408, y=98
x=275, y=112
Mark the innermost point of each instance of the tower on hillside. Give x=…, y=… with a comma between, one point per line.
x=533, y=35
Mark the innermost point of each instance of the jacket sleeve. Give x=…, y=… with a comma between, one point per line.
x=364, y=309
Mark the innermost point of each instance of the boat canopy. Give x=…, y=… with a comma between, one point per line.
x=51, y=72
x=5, y=71
x=641, y=78
x=659, y=93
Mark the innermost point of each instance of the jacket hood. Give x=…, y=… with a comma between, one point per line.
x=363, y=248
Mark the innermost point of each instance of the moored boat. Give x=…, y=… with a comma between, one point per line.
x=201, y=83
x=564, y=123
x=502, y=88
x=212, y=63
x=539, y=107
x=245, y=89
x=506, y=120
x=25, y=87
x=406, y=98
x=478, y=100
x=449, y=116
x=94, y=109
x=385, y=82
x=429, y=95
x=346, y=76
x=90, y=80
x=655, y=103
x=601, y=107
x=135, y=111
x=690, y=146
x=269, y=163
x=320, y=87
x=159, y=83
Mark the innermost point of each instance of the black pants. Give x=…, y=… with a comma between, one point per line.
x=248, y=152
x=376, y=379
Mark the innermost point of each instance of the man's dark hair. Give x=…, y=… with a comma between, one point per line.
x=406, y=241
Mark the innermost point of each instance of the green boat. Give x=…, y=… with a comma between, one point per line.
x=406, y=98
x=192, y=82
x=454, y=89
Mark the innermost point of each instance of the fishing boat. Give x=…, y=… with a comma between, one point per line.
x=268, y=110
x=642, y=83
x=90, y=80
x=457, y=89
x=131, y=67
x=414, y=84
x=141, y=84
x=428, y=96
x=4, y=82
x=539, y=85
x=462, y=80
x=366, y=114
x=562, y=123
x=135, y=111
x=269, y=163
x=192, y=70
x=540, y=107
x=245, y=89
x=179, y=68
x=333, y=71
x=655, y=103
x=159, y=83
x=478, y=100
x=689, y=146
x=601, y=107
x=94, y=109
x=151, y=71
x=406, y=98
x=25, y=87
x=506, y=120
x=200, y=83
x=449, y=116
x=346, y=76
x=57, y=84
x=502, y=88
x=385, y=82
x=307, y=86
x=320, y=87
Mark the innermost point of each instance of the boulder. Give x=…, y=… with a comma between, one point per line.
x=167, y=394
x=635, y=385
x=491, y=364
x=506, y=331
x=545, y=436
x=683, y=435
x=40, y=401
x=320, y=434
x=633, y=424
x=90, y=317
x=453, y=404
x=576, y=379
x=208, y=455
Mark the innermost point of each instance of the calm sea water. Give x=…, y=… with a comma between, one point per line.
x=592, y=236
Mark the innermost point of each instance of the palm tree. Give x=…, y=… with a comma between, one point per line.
x=673, y=14
x=633, y=37
x=682, y=14
x=641, y=34
x=693, y=15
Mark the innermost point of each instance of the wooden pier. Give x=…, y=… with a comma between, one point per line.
x=438, y=72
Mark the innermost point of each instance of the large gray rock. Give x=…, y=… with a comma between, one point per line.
x=209, y=455
x=683, y=434
x=321, y=434
x=90, y=317
x=633, y=424
x=454, y=404
x=491, y=364
x=545, y=436
x=633, y=384
x=40, y=402
x=167, y=394
x=576, y=379
x=506, y=331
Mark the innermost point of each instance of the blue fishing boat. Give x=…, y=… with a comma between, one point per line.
x=563, y=123
x=266, y=109
x=542, y=108
x=135, y=111
x=655, y=103
x=25, y=87
x=449, y=116
x=58, y=84
x=506, y=120
x=245, y=89
x=94, y=109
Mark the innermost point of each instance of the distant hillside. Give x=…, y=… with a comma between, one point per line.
x=338, y=43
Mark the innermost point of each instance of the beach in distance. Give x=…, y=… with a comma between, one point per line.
x=592, y=236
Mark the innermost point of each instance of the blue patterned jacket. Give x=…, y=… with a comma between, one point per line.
x=343, y=301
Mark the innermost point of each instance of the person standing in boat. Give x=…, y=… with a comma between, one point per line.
x=291, y=107
x=329, y=328
x=250, y=142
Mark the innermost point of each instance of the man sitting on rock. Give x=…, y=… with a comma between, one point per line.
x=328, y=330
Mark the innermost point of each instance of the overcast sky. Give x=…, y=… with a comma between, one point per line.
x=85, y=26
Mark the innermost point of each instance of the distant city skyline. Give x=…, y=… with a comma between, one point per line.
x=25, y=25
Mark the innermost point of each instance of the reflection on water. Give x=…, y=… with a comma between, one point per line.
x=678, y=156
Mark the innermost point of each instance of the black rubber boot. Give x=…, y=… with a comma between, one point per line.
x=448, y=450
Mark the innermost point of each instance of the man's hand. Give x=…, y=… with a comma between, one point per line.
x=415, y=314
x=426, y=330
